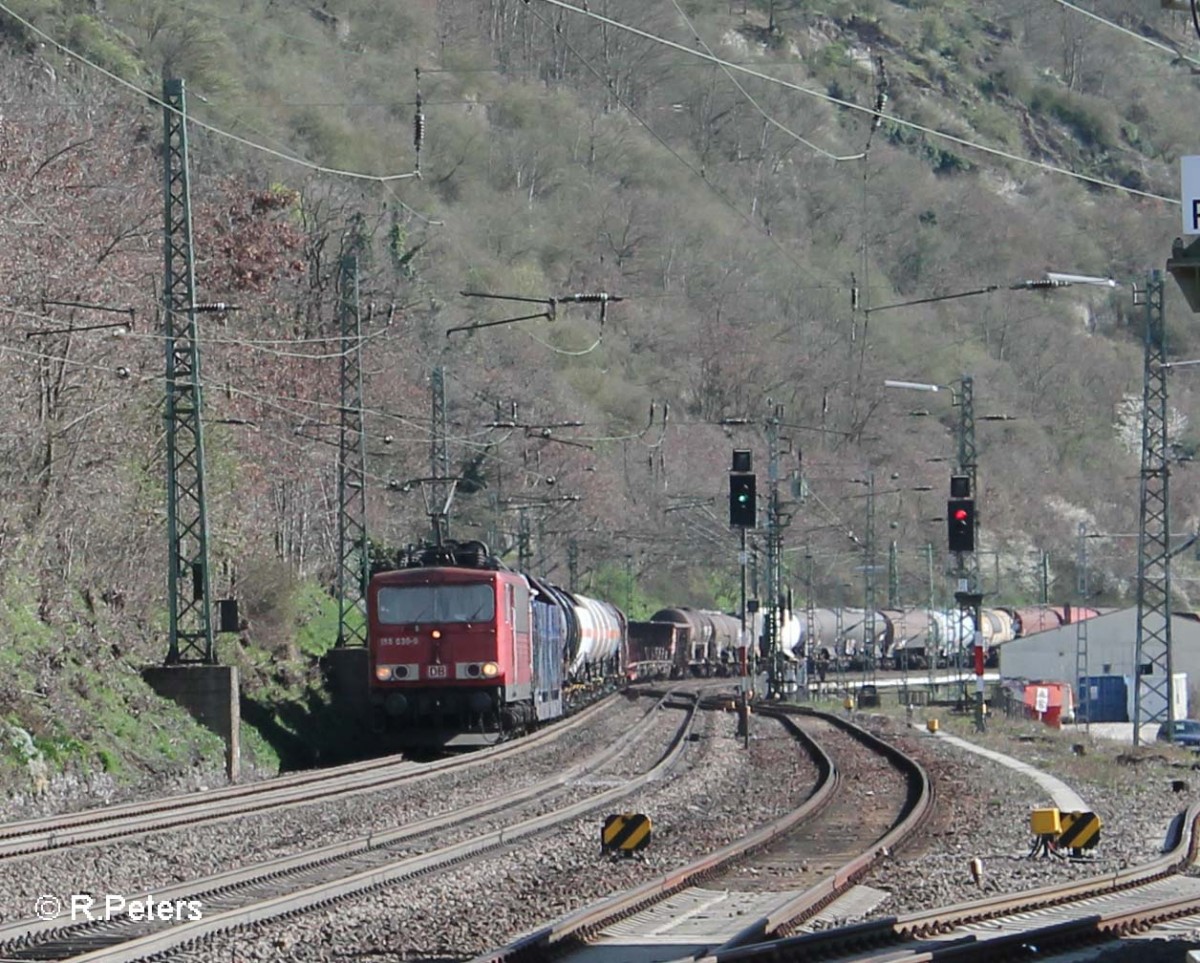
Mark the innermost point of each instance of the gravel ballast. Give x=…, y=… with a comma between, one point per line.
x=717, y=792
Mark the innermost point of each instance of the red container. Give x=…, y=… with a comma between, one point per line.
x=1050, y=702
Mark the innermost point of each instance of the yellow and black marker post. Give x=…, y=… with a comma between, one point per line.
x=626, y=833
x=1080, y=831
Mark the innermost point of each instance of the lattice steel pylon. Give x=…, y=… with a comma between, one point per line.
x=1082, y=667
x=353, y=562
x=439, y=459
x=772, y=617
x=1152, y=701
x=524, y=550
x=810, y=611
x=870, y=633
x=893, y=575
x=190, y=626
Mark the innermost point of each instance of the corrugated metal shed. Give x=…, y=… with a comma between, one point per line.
x=1112, y=646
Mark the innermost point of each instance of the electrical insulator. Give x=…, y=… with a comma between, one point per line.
x=418, y=127
x=1044, y=284
x=418, y=123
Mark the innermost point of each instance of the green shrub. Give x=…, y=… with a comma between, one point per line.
x=1090, y=124
x=88, y=37
x=110, y=762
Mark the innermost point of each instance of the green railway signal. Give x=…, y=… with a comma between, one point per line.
x=743, y=503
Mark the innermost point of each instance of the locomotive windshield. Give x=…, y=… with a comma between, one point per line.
x=406, y=604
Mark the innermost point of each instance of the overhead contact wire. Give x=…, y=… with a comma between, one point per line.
x=281, y=155
x=658, y=137
x=754, y=103
x=850, y=105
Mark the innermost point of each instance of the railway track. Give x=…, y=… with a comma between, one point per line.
x=708, y=902
x=300, y=789
x=1035, y=922
x=294, y=884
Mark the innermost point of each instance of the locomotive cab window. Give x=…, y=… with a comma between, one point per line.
x=409, y=604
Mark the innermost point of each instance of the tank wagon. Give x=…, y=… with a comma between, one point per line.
x=788, y=628
x=920, y=637
x=680, y=642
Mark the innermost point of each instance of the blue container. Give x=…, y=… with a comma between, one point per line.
x=1102, y=698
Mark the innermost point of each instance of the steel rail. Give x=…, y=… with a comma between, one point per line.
x=886, y=936
x=918, y=806
x=551, y=940
x=213, y=805
x=376, y=877
x=29, y=931
x=1173, y=860
x=1046, y=940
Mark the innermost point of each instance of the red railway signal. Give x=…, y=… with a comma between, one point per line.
x=960, y=524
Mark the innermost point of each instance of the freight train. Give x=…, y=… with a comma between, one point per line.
x=465, y=652
x=677, y=643
x=919, y=638
x=680, y=642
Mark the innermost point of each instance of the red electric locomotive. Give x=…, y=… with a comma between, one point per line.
x=464, y=652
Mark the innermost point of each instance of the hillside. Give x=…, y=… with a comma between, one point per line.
x=757, y=217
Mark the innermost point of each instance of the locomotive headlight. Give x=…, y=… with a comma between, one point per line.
x=436, y=634
x=383, y=672
x=490, y=670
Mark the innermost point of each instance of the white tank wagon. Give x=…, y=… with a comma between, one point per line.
x=601, y=636
x=789, y=632
x=953, y=635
